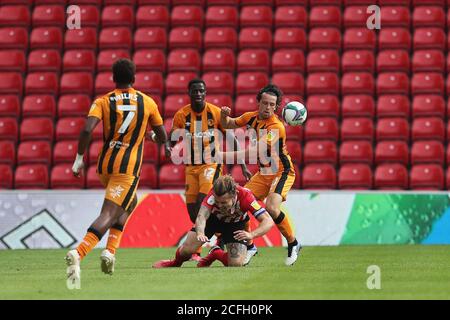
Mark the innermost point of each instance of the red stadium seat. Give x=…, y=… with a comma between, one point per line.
x=149, y=82
x=177, y=82
x=429, y=38
x=219, y=82
x=253, y=60
x=12, y=60
x=294, y=149
x=428, y=106
x=33, y=176
x=90, y=15
x=416, y=3
x=428, y=61
x=322, y=83
x=152, y=16
x=394, y=38
x=46, y=38
x=73, y=105
x=8, y=129
x=219, y=60
x=256, y=16
x=222, y=16
x=393, y=61
x=294, y=38
x=325, y=16
x=220, y=37
x=14, y=16
x=321, y=129
x=357, y=83
x=186, y=16
x=431, y=128
x=36, y=129
x=14, y=38
x=63, y=178
x=427, y=177
x=44, y=60
x=9, y=106
x=92, y=179
x=175, y=102
x=355, y=16
x=183, y=60
x=7, y=153
x=79, y=60
x=69, y=128
x=106, y=58
x=355, y=177
x=359, y=39
x=236, y=173
x=289, y=82
x=149, y=177
x=358, y=61
x=288, y=60
x=392, y=83
x=11, y=83
x=392, y=151
x=324, y=38
x=244, y=103
x=290, y=16
x=150, y=37
x=294, y=133
x=151, y=154
x=255, y=38
x=150, y=60
x=6, y=177
x=395, y=16
x=250, y=82
x=85, y=38
x=34, y=152
x=357, y=129
x=39, y=106
x=393, y=129
x=221, y=100
x=255, y=2
x=65, y=151
x=77, y=83
x=320, y=151
x=356, y=151
x=323, y=106
x=393, y=106
x=429, y=17
x=185, y=37
x=94, y=151
x=41, y=83
x=358, y=106
x=115, y=38
x=117, y=16
x=319, y=176
x=428, y=151
x=391, y=176
x=104, y=83
x=171, y=177
x=49, y=15
x=323, y=61
x=427, y=83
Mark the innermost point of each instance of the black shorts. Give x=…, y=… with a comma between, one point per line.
x=226, y=229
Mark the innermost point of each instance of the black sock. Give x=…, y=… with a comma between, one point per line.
x=292, y=244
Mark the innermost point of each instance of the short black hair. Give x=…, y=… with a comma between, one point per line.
x=195, y=81
x=272, y=90
x=123, y=71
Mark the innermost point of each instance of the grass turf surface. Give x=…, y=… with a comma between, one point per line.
x=407, y=272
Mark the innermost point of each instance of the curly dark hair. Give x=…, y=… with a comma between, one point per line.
x=124, y=71
x=272, y=90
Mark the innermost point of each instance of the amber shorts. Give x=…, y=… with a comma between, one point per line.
x=262, y=185
x=200, y=179
x=120, y=188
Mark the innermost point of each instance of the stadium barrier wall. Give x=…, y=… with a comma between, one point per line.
x=59, y=219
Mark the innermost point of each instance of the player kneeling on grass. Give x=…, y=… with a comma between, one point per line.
x=224, y=210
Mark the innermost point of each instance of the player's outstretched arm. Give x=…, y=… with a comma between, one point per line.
x=225, y=120
x=83, y=142
x=200, y=223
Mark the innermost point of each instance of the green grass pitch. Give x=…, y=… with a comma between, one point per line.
x=407, y=272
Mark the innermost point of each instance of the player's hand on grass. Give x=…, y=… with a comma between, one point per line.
x=202, y=238
x=241, y=235
x=225, y=111
x=78, y=165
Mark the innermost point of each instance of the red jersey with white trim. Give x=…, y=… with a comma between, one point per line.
x=245, y=202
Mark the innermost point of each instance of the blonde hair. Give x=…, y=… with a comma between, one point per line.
x=223, y=185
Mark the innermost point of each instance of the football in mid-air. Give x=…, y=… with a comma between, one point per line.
x=294, y=113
